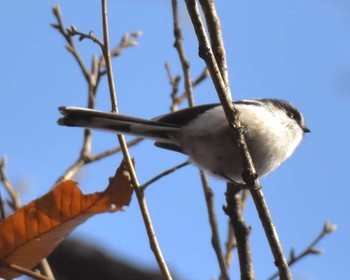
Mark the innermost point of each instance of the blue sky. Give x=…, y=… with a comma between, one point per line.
x=299, y=51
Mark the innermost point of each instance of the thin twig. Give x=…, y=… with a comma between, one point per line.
x=25, y=271
x=15, y=199
x=188, y=85
x=93, y=79
x=241, y=231
x=44, y=266
x=126, y=41
x=231, y=242
x=2, y=208
x=215, y=239
x=164, y=173
x=139, y=193
x=72, y=171
x=310, y=249
x=107, y=57
x=179, y=99
x=249, y=175
x=174, y=82
x=71, y=47
x=73, y=31
x=216, y=39
x=230, y=245
x=180, y=50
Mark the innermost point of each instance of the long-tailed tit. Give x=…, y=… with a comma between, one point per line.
x=273, y=129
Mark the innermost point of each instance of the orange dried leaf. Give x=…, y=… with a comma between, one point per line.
x=32, y=232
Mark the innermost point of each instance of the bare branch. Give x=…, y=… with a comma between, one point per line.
x=180, y=50
x=249, y=175
x=241, y=231
x=164, y=173
x=15, y=199
x=25, y=271
x=174, y=82
x=139, y=193
x=188, y=94
x=73, y=31
x=88, y=158
x=231, y=242
x=188, y=84
x=230, y=245
x=126, y=41
x=215, y=239
x=310, y=249
x=113, y=151
x=71, y=46
x=201, y=77
x=216, y=39
x=177, y=100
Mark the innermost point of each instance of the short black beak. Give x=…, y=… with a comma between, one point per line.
x=306, y=130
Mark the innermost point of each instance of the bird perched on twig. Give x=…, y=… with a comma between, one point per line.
x=273, y=129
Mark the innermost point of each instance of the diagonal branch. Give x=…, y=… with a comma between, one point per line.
x=217, y=42
x=181, y=52
x=15, y=199
x=249, y=175
x=139, y=193
x=71, y=46
x=234, y=210
x=188, y=84
x=310, y=249
x=163, y=174
x=215, y=240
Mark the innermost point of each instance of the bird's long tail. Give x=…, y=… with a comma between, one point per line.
x=81, y=117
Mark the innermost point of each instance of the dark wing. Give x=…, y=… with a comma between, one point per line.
x=183, y=117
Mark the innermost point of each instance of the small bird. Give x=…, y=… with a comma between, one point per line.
x=273, y=129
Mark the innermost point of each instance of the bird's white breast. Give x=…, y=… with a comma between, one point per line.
x=208, y=141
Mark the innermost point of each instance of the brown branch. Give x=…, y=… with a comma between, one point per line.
x=164, y=173
x=188, y=94
x=215, y=239
x=181, y=52
x=73, y=31
x=126, y=41
x=174, y=82
x=201, y=77
x=93, y=79
x=216, y=39
x=231, y=242
x=188, y=85
x=71, y=46
x=15, y=199
x=310, y=249
x=25, y=271
x=139, y=193
x=179, y=99
x=241, y=231
x=230, y=245
x=249, y=175
x=86, y=159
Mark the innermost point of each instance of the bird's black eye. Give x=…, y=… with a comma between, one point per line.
x=291, y=115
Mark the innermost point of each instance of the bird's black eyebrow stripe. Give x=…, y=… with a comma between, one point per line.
x=281, y=104
x=286, y=107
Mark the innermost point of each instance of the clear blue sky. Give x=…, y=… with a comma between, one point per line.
x=299, y=51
